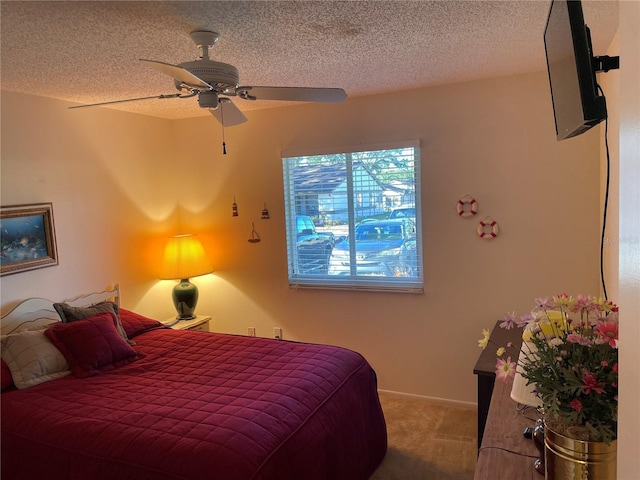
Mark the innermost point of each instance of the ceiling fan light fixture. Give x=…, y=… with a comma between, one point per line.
x=208, y=100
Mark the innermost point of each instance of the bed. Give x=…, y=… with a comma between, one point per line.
x=184, y=405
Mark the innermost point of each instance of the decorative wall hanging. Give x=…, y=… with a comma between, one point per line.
x=265, y=213
x=467, y=206
x=234, y=208
x=28, y=238
x=255, y=238
x=488, y=228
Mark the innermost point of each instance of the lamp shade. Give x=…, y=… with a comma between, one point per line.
x=521, y=392
x=184, y=257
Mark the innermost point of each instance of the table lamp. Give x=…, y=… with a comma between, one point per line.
x=184, y=258
x=521, y=392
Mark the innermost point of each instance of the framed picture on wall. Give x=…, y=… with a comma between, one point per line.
x=28, y=238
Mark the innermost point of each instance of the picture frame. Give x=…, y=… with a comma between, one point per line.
x=27, y=238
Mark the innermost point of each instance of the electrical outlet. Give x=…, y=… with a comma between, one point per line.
x=277, y=333
x=251, y=331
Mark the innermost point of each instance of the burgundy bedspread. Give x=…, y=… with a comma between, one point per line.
x=202, y=406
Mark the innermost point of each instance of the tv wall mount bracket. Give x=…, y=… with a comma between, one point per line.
x=605, y=63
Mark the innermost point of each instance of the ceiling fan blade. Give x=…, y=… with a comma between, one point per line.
x=228, y=114
x=179, y=74
x=293, y=94
x=171, y=95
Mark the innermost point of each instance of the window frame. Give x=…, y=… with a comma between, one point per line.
x=362, y=281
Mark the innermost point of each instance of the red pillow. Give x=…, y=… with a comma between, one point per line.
x=5, y=376
x=92, y=345
x=135, y=324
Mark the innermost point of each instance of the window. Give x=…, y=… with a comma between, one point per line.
x=353, y=218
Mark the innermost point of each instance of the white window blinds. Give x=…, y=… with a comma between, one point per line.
x=353, y=218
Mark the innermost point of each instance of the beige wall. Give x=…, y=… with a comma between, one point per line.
x=121, y=182
x=622, y=254
x=106, y=174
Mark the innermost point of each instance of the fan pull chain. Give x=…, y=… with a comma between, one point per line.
x=224, y=145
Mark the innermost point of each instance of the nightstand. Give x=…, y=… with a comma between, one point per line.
x=200, y=323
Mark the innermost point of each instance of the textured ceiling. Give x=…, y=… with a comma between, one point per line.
x=89, y=52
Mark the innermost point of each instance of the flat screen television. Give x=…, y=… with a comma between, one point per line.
x=572, y=73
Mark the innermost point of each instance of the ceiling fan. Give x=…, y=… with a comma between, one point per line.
x=214, y=82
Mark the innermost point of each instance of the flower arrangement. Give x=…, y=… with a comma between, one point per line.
x=570, y=355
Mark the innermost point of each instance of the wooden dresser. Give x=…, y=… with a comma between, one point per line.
x=504, y=453
x=485, y=369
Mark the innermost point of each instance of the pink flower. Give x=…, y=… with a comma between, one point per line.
x=576, y=404
x=584, y=303
x=524, y=320
x=509, y=321
x=505, y=369
x=608, y=330
x=542, y=303
x=591, y=384
x=579, y=339
x=574, y=338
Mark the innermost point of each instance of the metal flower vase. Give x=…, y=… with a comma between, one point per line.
x=570, y=459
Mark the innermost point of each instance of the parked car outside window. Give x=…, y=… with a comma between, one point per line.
x=313, y=247
x=383, y=247
x=404, y=211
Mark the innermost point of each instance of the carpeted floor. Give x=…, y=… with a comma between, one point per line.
x=427, y=440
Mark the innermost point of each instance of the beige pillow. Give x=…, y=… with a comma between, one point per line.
x=32, y=358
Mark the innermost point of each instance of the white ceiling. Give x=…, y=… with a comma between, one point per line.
x=88, y=52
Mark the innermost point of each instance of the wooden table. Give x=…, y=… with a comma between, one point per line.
x=485, y=369
x=505, y=454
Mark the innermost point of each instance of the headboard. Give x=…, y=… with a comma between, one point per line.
x=36, y=311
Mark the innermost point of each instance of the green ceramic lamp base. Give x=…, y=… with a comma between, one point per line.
x=185, y=298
